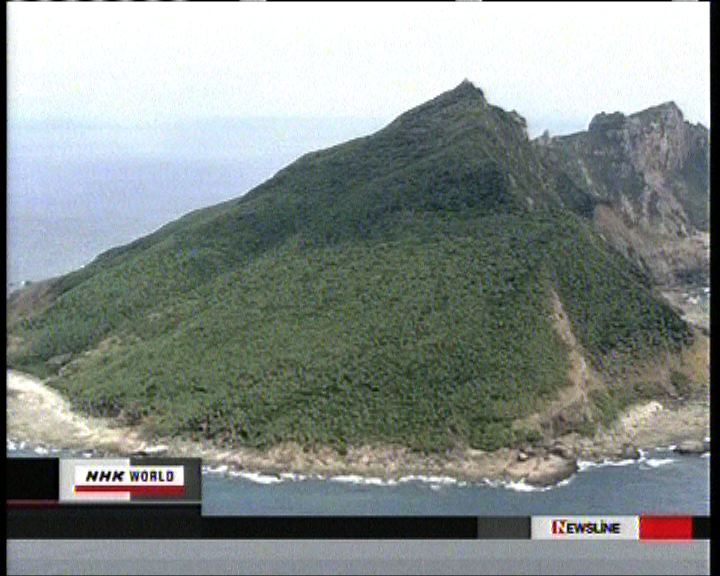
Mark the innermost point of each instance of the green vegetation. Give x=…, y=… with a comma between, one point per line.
x=416, y=342
x=395, y=289
x=681, y=383
x=610, y=402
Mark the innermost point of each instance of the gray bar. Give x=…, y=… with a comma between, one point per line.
x=503, y=528
x=354, y=557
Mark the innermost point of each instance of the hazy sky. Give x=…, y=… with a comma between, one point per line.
x=556, y=64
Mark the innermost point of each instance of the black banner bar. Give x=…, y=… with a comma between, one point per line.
x=701, y=528
x=32, y=479
x=182, y=521
x=186, y=521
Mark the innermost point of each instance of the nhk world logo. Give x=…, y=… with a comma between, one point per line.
x=585, y=527
x=162, y=475
x=121, y=480
x=130, y=480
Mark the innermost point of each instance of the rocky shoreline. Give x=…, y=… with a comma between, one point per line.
x=38, y=415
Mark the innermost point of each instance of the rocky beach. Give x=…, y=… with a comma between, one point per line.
x=38, y=415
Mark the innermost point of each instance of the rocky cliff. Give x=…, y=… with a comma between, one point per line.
x=645, y=178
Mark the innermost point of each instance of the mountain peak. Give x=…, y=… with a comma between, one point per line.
x=467, y=87
x=667, y=112
x=466, y=91
x=603, y=121
x=670, y=105
x=454, y=103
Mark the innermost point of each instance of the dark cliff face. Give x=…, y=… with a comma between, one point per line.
x=646, y=177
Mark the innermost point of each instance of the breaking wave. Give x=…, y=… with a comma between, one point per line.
x=256, y=477
x=657, y=462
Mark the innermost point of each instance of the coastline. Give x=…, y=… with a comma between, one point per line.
x=39, y=415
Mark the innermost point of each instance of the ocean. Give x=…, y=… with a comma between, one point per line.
x=663, y=483
x=77, y=191
x=660, y=482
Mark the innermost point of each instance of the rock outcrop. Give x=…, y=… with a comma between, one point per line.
x=691, y=447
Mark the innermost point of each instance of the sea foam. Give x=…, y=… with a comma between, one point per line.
x=355, y=479
x=587, y=464
x=215, y=469
x=440, y=480
x=657, y=462
x=256, y=477
x=292, y=477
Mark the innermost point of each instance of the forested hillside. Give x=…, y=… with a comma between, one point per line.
x=396, y=289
